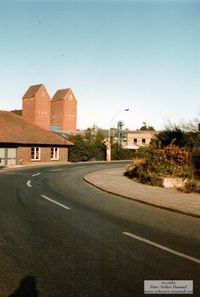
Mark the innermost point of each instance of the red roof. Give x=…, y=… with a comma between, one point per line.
x=13, y=129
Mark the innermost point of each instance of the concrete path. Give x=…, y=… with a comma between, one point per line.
x=114, y=181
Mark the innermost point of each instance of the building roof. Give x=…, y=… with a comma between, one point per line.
x=60, y=94
x=13, y=129
x=32, y=91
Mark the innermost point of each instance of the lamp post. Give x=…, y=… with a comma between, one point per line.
x=108, y=146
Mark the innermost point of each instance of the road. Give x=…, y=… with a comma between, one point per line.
x=77, y=241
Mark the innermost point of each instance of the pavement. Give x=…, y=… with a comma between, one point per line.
x=113, y=181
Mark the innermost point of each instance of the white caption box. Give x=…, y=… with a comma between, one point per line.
x=168, y=287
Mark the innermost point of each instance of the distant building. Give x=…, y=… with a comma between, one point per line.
x=136, y=139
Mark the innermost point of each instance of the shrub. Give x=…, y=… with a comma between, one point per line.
x=119, y=153
x=170, y=161
x=191, y=186
x=196, y=161
x=133, y=170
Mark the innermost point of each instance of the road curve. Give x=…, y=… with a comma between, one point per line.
x=75, y=240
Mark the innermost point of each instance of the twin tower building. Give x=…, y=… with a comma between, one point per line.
x=57, y=114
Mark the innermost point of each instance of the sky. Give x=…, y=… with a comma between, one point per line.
x=138, y=54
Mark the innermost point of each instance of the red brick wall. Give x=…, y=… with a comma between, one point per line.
x=70, y=113
x=28, y=109
x=64, y=112
x=57, y=113
x=24, y=155
x=36, y=109
x=63, y=154
x=42, y=109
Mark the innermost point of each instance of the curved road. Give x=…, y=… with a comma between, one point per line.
x=76, y=240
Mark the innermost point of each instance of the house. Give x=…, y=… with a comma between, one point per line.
x=64, y=111
x=136, y=139
x=22, y=142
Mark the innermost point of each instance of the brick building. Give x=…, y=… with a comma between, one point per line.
x=64, y=110
x=36, y=106
x=60, y=113
x=22, y=142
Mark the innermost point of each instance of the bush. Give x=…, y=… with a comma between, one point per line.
x=192, y=186
x=196, y=161
x=133, y=170
x=149, y=165
x=119, y=153
x=81, y=151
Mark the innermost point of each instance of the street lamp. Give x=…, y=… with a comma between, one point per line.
x=108, y=147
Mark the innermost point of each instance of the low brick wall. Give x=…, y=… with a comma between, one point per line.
x=173, y=182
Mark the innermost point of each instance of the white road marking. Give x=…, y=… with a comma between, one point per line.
x=29, y=184
x=162, y=247
x=53, y=201
x=54, y=170
x=36, y=174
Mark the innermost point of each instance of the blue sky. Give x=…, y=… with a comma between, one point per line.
x=142, y=55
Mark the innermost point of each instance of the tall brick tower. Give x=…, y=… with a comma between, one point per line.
x=36, y=106
x=64, y=110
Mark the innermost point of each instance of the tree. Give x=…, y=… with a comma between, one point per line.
x=145, y=127
x=87, y=147
x=81, y=151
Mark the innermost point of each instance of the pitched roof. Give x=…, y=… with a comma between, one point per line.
x=60, y=94
x=13, y=129
x=32, y=91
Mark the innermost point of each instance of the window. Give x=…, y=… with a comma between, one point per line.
x=143, y=140
x=54, y=153
x=35, y=153
x=135, y=140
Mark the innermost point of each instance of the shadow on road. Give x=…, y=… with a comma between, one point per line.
x=27, y=288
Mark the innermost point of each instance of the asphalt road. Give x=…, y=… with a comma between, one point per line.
x=75, y=240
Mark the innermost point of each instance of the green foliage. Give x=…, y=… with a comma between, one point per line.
x=167, y=137
x=133, y=170
x=196, y=161
x=149, y=164
x=144, y=152
x=173, y=153
x=81, y=151
x=91, y=147
x=178, y=137
x=147, y=128
x=191, y=186
x=88, y=147
x=119, y=153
